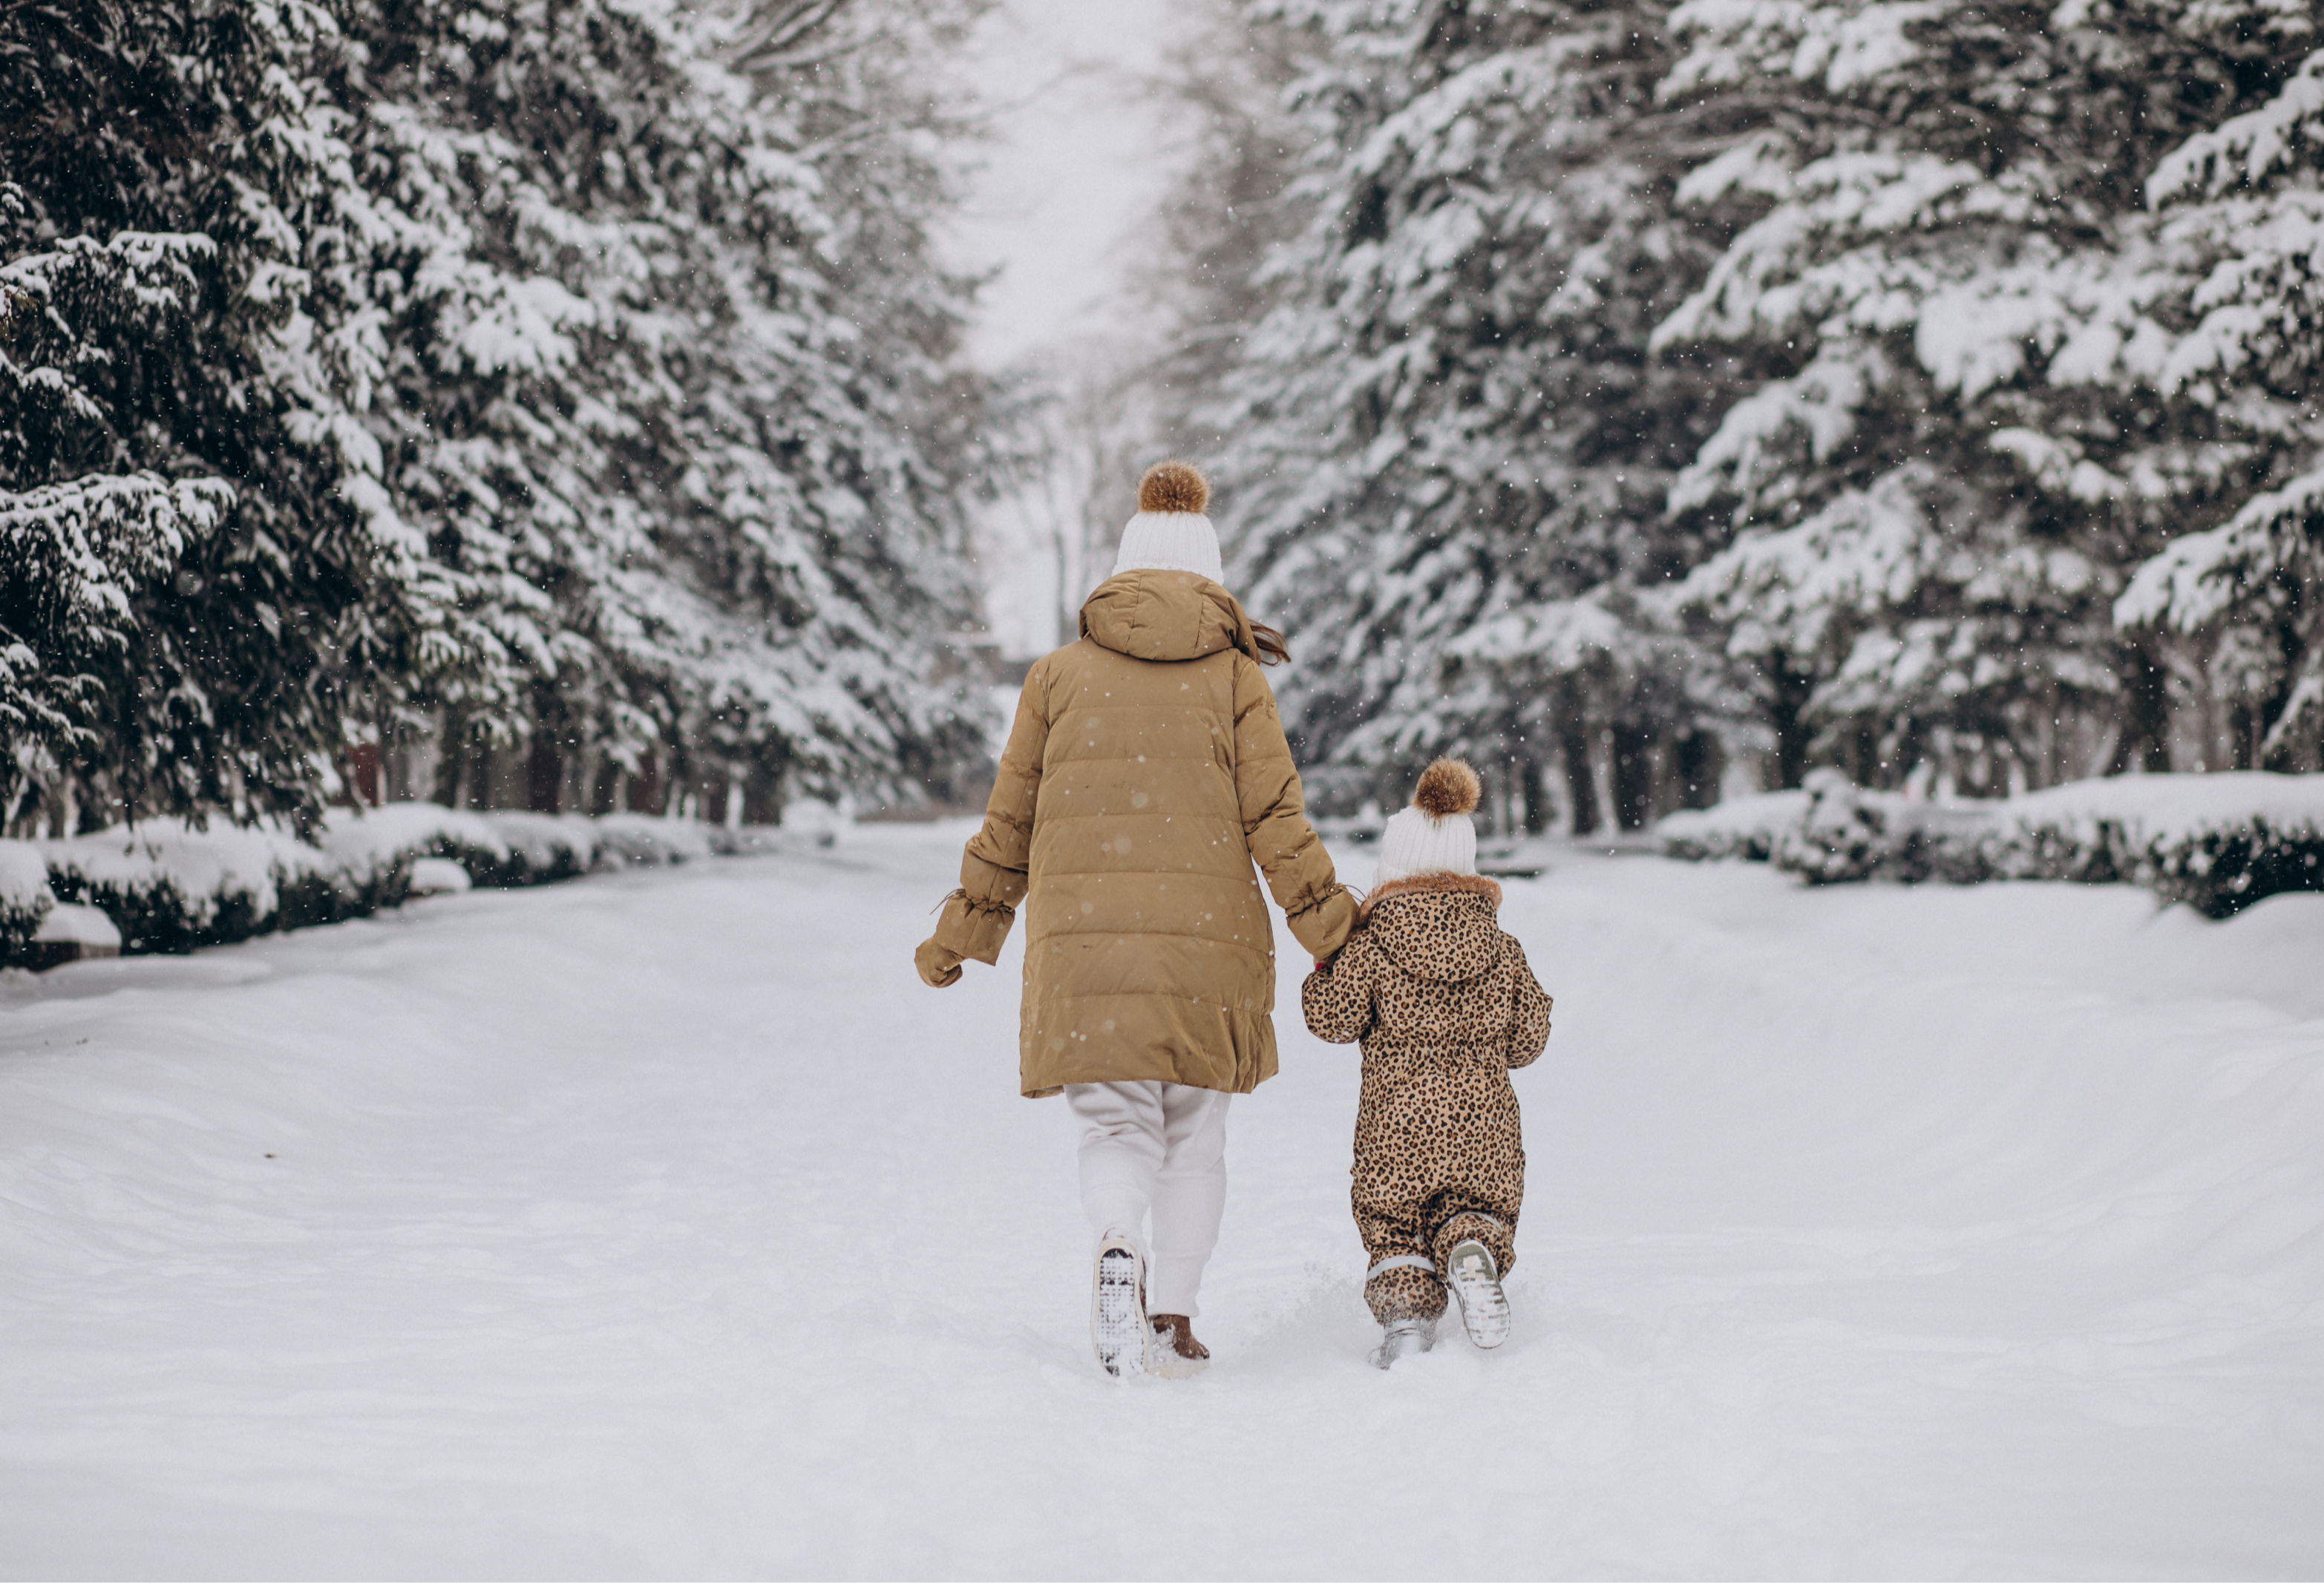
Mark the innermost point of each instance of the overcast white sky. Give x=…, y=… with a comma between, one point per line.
x=1075, y=166
x=1072, y=166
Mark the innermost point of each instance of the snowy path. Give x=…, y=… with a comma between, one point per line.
x=665, y=1224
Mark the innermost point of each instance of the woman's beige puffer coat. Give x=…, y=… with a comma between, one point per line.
x=1146, y=772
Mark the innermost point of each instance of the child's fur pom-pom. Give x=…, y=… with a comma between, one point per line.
x=1447, y=787
x=1174, y=486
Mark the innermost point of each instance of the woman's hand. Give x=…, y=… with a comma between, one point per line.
x=939, y=967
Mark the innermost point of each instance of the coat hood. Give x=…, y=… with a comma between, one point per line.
x=1165, y=615
x=1439, y=927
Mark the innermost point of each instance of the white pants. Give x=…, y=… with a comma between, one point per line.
x=1159, y=1146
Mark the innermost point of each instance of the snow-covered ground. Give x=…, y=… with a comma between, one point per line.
x=663, y=1223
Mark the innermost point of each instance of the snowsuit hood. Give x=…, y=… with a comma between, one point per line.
x=1146, y=774
x=1439, y=928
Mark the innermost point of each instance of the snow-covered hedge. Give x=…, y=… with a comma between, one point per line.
x=2217, y=843
x=548, y=846
x=638, y=839
x=170, y=888
x=24, y=897
x=1843, y=833
x=1748, y=828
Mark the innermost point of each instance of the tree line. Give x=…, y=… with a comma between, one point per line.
x=1653, y=398
x=511, y=402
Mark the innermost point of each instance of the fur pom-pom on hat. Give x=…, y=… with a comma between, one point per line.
x=1435, y=835
x=1170, y=533
x=1447, y=787
x=1173, y=487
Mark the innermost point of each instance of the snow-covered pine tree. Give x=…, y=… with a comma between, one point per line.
x=885, y=442
x=1448, y=445
x=668, y=386
x=575, y=373
x=1960, y=453
x=2246, y=200
x=199, y=549
x=75, y=553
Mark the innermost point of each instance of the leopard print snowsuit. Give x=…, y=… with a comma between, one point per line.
x=1446, y=1006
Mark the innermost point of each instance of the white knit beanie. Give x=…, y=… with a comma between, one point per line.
x=1434, y=835
x=1170, y=533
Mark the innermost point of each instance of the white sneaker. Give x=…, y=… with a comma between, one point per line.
x=1118, y=1329
x=1477, y=1283
x=1403, y=1338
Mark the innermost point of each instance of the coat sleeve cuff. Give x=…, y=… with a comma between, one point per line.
x=975, y=929
x=1325, y=926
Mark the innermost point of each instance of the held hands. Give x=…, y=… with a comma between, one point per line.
x=939, y=968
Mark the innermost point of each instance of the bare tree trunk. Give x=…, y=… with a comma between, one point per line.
x=544, y=775
x=1787, y=700
x=1634, y=776
x=1580, y=781
x=1536, y=791
x=1700, y=760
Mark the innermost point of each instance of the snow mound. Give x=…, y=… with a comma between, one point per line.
x=71, y=924
x=2217, y=843
x=438, y=877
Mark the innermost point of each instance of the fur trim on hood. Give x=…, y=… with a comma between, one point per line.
x=1451, y=884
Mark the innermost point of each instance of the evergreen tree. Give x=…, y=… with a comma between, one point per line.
x=199, y=548
x=574, y=375
x=669, y=385
x=1450, y=446
x=1963, y=448
x=2244, y=199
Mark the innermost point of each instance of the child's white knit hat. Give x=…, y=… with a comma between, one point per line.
x=1170, y=533
x=1434, y=835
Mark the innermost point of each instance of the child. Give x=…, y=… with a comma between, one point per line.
x=1446, y=1006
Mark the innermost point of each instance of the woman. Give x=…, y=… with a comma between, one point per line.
x=1146, y=773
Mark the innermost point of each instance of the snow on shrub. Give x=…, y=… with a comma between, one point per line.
x=24, y=895
x=758, y=841
x=1845, y=833
x=642, y=840
x=2217, y=843
x=437, y=876
x=172, y=888
x=550, y=846
x=1748, y=828
x=383, y=843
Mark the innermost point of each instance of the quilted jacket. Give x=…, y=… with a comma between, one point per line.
x=1147, y=773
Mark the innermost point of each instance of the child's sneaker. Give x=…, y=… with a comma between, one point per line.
x=1403, y=1338
x=1118, y=1307
x=1477, y=1283
x=1176, y=1355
